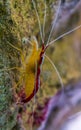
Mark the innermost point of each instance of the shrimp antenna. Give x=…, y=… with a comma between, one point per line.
x=67, y=33
x=38, y=20
x=56, y=17
x=44, y=21
x=60, y=79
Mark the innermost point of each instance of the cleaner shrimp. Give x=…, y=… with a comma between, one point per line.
x=30, y=69
x=29, y=72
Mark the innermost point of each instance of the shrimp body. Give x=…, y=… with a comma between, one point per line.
x=31, y=73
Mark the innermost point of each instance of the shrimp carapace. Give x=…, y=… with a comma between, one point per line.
x=30, y=73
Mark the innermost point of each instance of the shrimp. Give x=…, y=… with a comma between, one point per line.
x=30, y=69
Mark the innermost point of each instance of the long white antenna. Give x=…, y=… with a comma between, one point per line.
x=44, y=21
x=38, y=21
x=56, y=17
x=67, y=33
x=60, y=79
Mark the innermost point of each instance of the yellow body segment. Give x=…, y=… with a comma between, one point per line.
x=29, y=83
x=29, y=70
